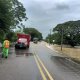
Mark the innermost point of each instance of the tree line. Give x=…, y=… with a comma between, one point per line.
x=70, y=31
x=12, y=14
x=33, y=32
x=12, y=36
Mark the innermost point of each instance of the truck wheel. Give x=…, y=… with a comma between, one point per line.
x=16, y=47
x=27, y=46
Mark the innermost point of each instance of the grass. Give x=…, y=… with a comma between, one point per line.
x=74, y=53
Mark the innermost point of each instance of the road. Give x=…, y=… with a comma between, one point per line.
x=37, y=63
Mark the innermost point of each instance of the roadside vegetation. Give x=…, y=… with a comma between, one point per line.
x=68, y=35
x=33, y=32
x=68, y=51
x=12, y=13
x=12, y=16
x=69, y=31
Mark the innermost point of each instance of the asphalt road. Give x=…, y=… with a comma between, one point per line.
x=37, y=63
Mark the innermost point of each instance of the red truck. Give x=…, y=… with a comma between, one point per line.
x=23, y=41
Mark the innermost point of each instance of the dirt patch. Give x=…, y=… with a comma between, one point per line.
x=68, y=51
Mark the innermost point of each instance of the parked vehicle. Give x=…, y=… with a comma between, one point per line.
x=35, y=40
x=23, y=41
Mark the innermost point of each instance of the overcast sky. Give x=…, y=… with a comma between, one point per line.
x=46, y=14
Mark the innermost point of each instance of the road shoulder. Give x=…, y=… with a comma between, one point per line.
x=74, y=61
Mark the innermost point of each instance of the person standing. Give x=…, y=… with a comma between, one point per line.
x=5, y=50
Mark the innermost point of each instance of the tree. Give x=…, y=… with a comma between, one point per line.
x=33, y=32
x=5, y=14
x=49, y=38
x=71, y=32
x=12, y=36
x=12, y=13
x=18, y=12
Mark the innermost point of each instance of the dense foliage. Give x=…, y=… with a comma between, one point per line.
x=70, y=31
x=12, y=13
x=33, y=32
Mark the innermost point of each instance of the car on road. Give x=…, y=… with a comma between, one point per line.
x=35, y=40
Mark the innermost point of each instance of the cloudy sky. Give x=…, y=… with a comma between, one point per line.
x=46, y=14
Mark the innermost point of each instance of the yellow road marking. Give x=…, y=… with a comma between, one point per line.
x=50, y=77
x=40, y=69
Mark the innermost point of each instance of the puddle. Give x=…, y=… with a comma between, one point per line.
x=23, y=53
x=64, y=62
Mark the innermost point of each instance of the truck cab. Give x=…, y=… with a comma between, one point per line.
x=23, y=41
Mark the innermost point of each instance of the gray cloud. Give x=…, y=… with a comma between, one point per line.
x=46, y=14
x=62, y=6
x=36, y=11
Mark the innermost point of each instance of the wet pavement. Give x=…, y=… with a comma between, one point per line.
x=37, y=63
x=20, y=65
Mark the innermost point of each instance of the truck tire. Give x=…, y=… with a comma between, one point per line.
x=27, y=46
x=16, y=47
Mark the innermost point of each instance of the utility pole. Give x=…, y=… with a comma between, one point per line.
x=50, y=36
x=61, y=38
